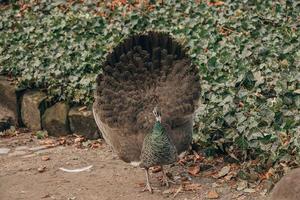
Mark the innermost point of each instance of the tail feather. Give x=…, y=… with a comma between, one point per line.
x=143, y=71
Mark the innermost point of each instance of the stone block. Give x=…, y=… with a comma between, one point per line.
x=55, y=120
x=32, y=108
x=6, y=119
x=82, y=122
x=8, y=103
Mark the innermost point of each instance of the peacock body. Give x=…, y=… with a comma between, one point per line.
x=158, y=149
x=145, y=71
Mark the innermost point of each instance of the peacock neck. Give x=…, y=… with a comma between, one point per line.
x=158, y=129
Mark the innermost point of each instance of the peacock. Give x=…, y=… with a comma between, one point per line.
x=157, y=149
x=145, y=99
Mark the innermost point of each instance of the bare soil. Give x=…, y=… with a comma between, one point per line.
x=108, y=179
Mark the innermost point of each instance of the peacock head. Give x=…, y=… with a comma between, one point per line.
x=157, y=114
x=158, y=127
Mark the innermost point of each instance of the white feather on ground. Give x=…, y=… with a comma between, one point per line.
x=76, y=170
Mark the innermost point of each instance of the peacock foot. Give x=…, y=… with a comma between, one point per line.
x=167, y=181
x=165, y=178
x=148, y=187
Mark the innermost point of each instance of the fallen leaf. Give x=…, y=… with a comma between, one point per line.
x=169, y=191
x=249, y=190
x=194, y=170
x=182, y=161
x=45, y=158
x=41, y=169
x=212, y=195
x=224, y=171
x=47, y=142
x=62, y=140
x=87, y=143
x=269, y=174
x=156, y=169
x=95, y=145
x=230, y=175
x=242, y=185
x=241, y=104
x=78, y=139
x=236, y=196
x=218, y=3
x=192, y=186
x=197, y=156
x=243, y=197
x=216, y=184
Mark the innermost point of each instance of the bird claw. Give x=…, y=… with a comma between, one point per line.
x=167, y=182
x=148, y=187
x=165, y=178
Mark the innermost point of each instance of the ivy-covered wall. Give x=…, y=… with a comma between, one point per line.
x=248, y=53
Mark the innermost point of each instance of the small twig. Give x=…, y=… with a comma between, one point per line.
x=177, y=192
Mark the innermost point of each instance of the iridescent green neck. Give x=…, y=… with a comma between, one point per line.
x=158, y=128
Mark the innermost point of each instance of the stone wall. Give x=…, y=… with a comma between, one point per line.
x=29, y=109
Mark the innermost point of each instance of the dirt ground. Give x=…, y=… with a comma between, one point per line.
x=31, y=171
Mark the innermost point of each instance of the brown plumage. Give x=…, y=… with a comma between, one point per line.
x=144, y=71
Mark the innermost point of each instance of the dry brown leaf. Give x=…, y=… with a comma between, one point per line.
x=47, y=142
x=269, y=174
x=52, y=145
x=41, y=169
x=182, y=161
x=212, y=195
x=192, y=186
x=241, y=185
x=194, y=170
x=169, y=191
x=197, y=157
x=249, y=190
x=223, y=172
x=62, y=140
x=241, y=104
x=78, y=139
x=218, y=3
x=243, y=197
x=45, y=158
x=95, y=145
x=156, y=169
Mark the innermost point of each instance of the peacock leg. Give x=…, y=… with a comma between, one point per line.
x=148, y=186
x=165, y=178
